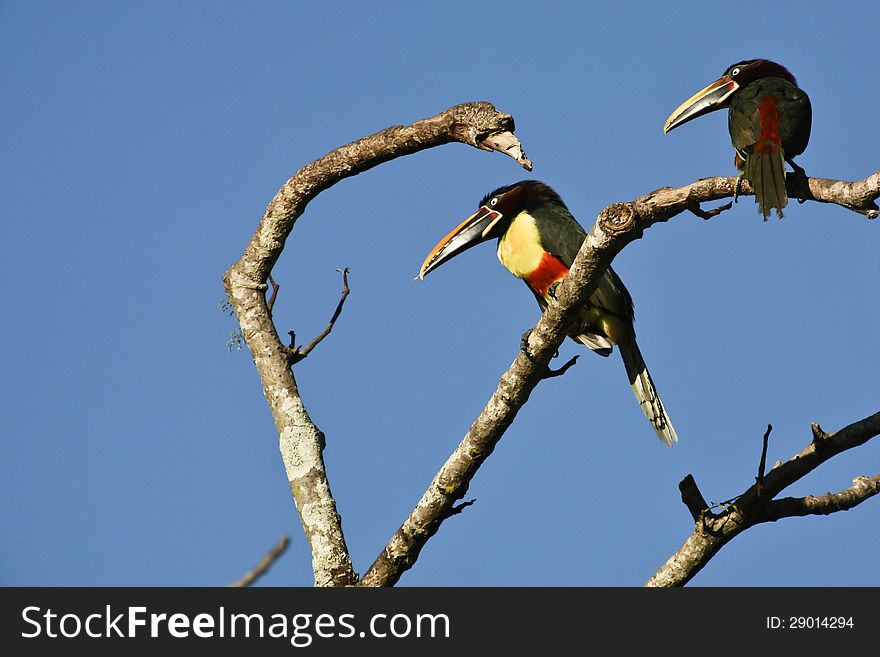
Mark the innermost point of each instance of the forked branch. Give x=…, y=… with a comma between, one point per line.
x=301, y=443
x=712, y=531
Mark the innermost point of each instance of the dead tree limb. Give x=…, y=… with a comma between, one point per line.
x=301, y=443
x=712, y=531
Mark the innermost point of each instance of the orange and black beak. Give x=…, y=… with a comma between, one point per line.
x=714, y=97
x=472, y=231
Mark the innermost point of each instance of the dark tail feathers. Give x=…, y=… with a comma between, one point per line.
x=766, y=173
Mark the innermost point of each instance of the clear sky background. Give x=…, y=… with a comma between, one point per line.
x=140, y=144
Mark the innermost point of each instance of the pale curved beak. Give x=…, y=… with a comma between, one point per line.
x=470, y=232
x=714, y=97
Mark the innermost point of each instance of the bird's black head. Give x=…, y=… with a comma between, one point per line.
x=522, y=196
x=719, y=94
x=750, y=70
x=496, y=210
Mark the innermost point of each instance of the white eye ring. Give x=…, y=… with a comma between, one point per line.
x=735, y=71
x=494, y=201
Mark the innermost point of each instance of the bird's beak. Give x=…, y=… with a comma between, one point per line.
x=714, y=97
x=470, y=232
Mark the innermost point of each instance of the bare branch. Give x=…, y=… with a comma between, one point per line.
x=271, y=302
x=549, y=374
x=477, y=124
x=708, y=214
x=692, y=498
x=858, y=196
x=458, y=508
x=790, y=507
x=265, y=563
x=294, y=355
x=664, y=203
x=762, y=465
x=756, y=506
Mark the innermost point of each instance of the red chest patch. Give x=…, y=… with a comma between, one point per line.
x=548, y=271
x=768, y=140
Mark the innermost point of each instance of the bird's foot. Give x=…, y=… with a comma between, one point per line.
x=524, y=344
x=737, y=185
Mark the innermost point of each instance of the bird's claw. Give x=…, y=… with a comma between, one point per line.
x=524, y=344
x=737, y=185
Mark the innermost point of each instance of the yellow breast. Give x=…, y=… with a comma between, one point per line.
x=519, y=249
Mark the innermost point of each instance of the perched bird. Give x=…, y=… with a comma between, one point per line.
x=769, y=122
x=538, y=239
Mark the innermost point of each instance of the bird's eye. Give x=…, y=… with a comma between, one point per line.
x=494, y=201
x=735, y=71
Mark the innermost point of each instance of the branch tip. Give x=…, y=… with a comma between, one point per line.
x=458, y=508
x=818, y=434
x=550, y=373
x=263, y=566
x=271, y=302
x=762, y=465
x=693, y=499
x=507, y=143
x=296, y=354
x=695, y=209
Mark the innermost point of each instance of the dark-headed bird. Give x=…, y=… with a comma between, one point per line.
x=769, y=122
x=538, y=238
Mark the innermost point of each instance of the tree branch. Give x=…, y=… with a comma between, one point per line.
x=296, y=354
x=790, y=507
x=265, y=563
x=762, y=464
x=617, y=225
x=477, y=124
x=756, y=505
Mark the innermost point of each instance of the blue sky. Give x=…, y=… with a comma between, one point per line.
x=141, y=144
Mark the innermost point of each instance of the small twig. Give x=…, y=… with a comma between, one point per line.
x=692, y=497
x=762, y=465
x=297, y=354
x=550, y=373
x=271, y=302
x=264, y=565
x=458, y=508
x=708, y=214
x=818, y=434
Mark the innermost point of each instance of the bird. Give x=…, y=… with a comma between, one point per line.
x=769, y=120
x=538, y=238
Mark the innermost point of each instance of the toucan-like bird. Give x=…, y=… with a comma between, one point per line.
x=769, y=122
x=538, y=238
